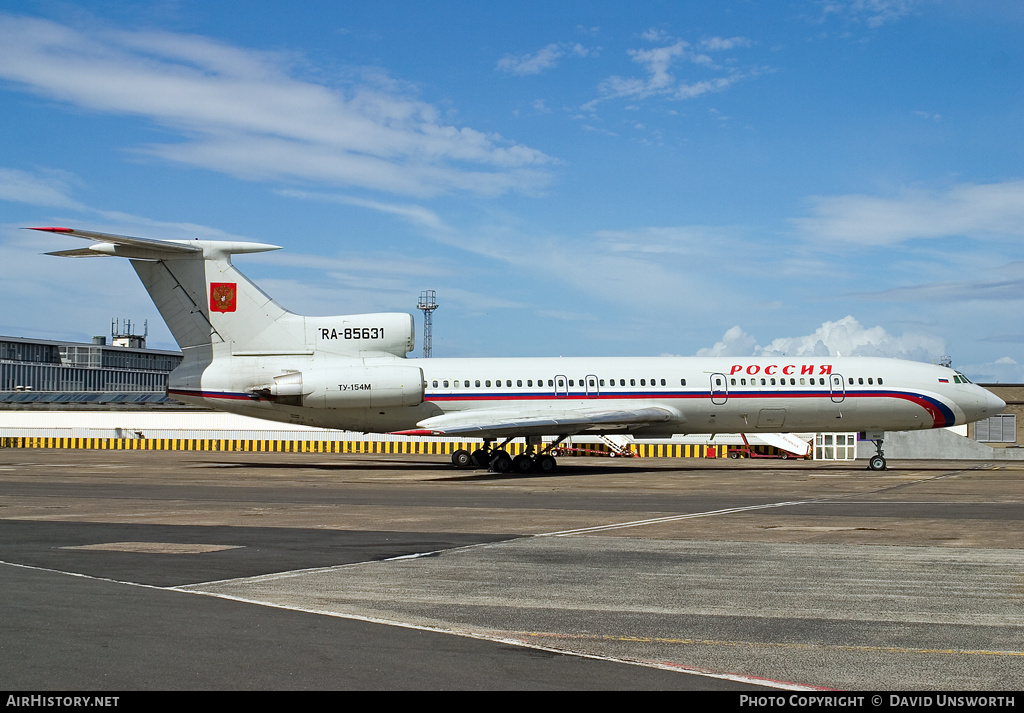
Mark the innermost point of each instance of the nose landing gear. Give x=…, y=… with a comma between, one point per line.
x=877, y=461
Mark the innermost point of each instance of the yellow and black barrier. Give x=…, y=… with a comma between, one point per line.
x=643, y=450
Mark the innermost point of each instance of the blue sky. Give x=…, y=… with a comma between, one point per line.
x=573, y=178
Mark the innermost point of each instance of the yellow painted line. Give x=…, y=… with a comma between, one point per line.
x=643, y=450
x=769, y=644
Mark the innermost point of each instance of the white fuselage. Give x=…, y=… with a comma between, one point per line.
x=700, y=395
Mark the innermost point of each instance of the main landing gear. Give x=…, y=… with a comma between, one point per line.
x=498, y=460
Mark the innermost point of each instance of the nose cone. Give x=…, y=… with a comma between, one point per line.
x=991, y=404
x=981, y=404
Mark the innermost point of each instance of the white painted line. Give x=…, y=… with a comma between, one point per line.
x=672, y=518
x=82, y=576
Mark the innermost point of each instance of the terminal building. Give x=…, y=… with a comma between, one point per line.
x=48, y=373
x=118, y=390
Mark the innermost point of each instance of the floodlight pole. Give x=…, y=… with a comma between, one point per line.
x=427, y=303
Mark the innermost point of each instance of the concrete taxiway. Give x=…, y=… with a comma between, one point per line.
x=192, y=570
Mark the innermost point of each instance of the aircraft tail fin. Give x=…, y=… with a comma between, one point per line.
x=213, y=310
x=203, y=298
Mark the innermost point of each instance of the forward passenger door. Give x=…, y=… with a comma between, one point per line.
x=719, y=389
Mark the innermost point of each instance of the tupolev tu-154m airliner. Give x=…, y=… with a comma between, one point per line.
x=246, y=354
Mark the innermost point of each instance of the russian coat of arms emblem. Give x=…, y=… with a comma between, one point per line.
x=222, y=296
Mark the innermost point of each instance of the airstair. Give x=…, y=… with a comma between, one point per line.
x=618, y=447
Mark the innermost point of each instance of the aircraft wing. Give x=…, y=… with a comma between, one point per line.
x=506, y=424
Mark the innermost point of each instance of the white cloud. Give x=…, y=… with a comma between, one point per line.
x=967, y=209
x=929, y=115
x=531, y=63
x=845, y=337
x=660, y=63
x=735, y=342
x=1000, y=291
x=245, y=113
x=724, y=43
x=873, y=13
x=414, y=214
x=543, y=59
x=49, y=190
x=695, y=242
x=1004, y=370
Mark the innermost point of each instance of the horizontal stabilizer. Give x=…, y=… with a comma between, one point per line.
x=149, y=249
x=80, y=252
x=162, y=245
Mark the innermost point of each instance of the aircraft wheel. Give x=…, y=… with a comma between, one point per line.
x=461, y=458
x=876, y=463
x=545, y=464
x=480, y=458
x=501, y=462
x=522, y=464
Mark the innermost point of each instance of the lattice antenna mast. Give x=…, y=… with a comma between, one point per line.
x=427, y=303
